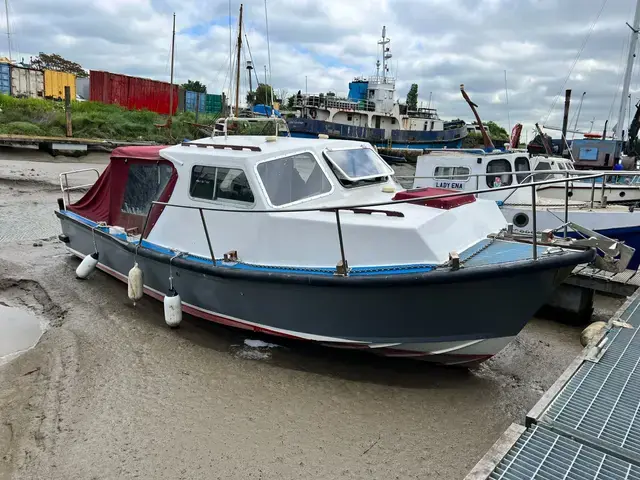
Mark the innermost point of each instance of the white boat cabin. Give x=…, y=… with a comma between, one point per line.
x=276, y=174
x=260, y=178
x=475, y=169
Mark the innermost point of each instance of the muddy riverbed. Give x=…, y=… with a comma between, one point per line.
x=110, y=392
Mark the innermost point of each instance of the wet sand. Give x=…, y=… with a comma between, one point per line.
x=110, y=392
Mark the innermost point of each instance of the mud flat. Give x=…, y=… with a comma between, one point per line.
x=110, y=392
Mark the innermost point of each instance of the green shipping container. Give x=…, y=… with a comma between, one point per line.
x=213, y=103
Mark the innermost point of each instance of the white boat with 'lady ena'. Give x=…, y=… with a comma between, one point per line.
x=467, y=170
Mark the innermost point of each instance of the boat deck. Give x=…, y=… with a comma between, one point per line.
x=587, y=425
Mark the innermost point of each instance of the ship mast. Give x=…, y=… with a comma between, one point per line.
x=6, y=8
x=238, y=63
x=627, y=74
x=385, y=52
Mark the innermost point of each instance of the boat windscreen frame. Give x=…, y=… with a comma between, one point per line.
x=390, y=171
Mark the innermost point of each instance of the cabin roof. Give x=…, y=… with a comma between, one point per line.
x=252, y=145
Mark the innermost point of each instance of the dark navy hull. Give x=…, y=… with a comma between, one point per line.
x=310, y=128
x=415, y=314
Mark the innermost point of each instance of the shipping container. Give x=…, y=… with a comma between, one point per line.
x=181, y=93
x=54, y=83
x=82, y=88
x=26, y=82
x=191, y=99
x=133, y=93
x=213, y=103
x=5, y=79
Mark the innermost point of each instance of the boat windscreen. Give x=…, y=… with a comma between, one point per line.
x=358, y=163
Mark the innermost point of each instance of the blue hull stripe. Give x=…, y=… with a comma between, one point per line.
x=497, y=253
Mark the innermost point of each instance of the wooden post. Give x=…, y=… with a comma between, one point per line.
x=197, y=105
x=173, y=48
x=67, y=109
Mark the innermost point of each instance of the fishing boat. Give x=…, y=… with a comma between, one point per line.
x=290, y=237
x=372, y=113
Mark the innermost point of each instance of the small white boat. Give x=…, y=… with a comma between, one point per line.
x=292, y=236
x=477, y=169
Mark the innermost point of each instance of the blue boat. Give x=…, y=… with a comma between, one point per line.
x=372, y=113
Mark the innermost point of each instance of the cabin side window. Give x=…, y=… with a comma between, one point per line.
x=460, y=174
x=290, y=179
x=522, y=165
x=145, y=184
x=542, y=176
x=220, y=183
x=497, y=167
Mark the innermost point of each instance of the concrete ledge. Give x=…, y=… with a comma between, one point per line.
x=496, y=453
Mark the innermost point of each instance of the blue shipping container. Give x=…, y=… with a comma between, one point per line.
x=190, y=99
x=358, y=90
x=5, y=79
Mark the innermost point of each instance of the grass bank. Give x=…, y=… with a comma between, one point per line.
x=34, y=116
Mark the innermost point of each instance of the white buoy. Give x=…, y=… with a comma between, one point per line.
x=172, y=309
x=135, y=283
x=87, y=265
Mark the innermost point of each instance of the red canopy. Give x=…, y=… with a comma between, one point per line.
x=122, y=196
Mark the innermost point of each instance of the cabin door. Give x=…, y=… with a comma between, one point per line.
x=377, y=121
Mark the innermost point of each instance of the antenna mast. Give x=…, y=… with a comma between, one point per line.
x=385, y=52
x=6, y=8
x=238, y=63
x=627, y=74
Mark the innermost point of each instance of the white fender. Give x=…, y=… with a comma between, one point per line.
x=172, y=309
x=87, y=265
x=135, y=283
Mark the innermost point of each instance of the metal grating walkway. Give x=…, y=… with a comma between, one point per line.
x=587, y=426
x=542, y=454
x=601, y=403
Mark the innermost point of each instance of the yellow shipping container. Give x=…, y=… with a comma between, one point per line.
x=54, y=83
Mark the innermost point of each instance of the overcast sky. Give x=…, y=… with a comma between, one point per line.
x=437, y=44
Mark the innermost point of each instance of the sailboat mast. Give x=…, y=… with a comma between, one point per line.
x=238, y=63
x=173, y=48
x=6, y=9
x=627, y=74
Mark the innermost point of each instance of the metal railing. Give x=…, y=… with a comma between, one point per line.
x=342, y=267
x=225, y=124
x=66, y=189
x=581, y=176
x=315, y=101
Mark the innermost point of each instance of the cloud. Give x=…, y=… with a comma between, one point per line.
x=437, y=44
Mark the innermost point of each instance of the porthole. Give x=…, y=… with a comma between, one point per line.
x=521, y=220
x=622, y=194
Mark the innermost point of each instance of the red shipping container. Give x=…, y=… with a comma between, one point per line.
x=133, y=93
